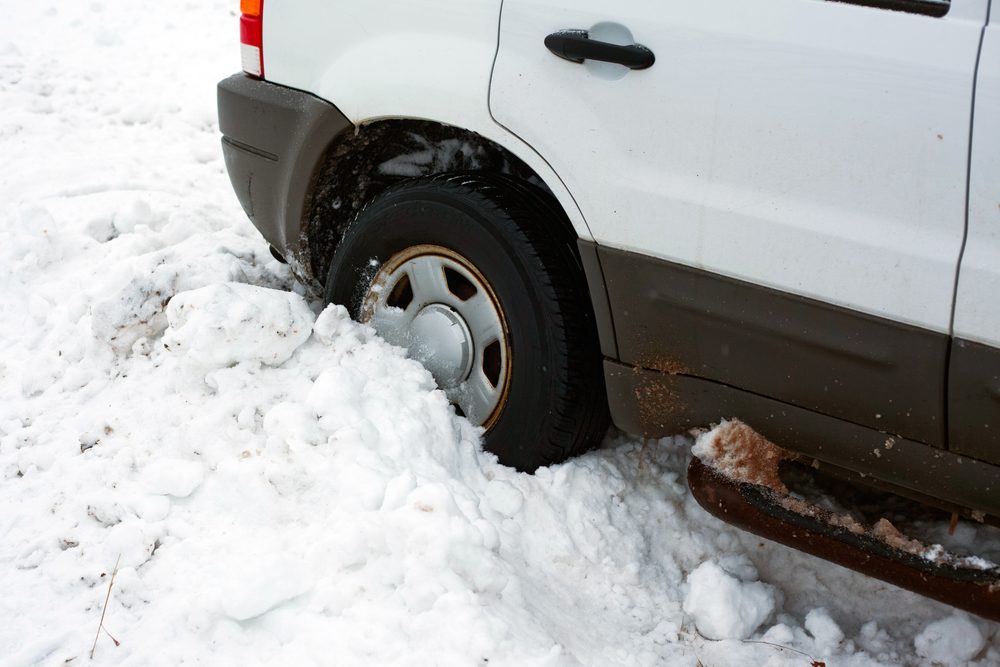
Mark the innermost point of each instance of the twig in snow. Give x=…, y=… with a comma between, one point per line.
x=813, y=661
x=112, y=637
x=104, y=610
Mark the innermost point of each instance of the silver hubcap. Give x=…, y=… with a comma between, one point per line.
x=435, y=304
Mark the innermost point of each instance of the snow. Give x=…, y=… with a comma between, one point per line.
x=280, y=485
x=952, y=640
x=824, y=629
x=723, y=607
x=222, y=325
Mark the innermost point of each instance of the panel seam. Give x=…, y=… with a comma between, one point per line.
x=489, y=109
x=965, y=230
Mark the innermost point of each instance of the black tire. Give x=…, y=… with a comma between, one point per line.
x=556, y=405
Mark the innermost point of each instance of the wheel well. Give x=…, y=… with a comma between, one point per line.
x=357, y=166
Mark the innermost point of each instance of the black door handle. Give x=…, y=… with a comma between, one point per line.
x=576, y=46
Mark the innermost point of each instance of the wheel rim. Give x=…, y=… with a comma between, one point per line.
x=436, y=304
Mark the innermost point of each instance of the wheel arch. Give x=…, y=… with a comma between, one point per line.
x=358, y=164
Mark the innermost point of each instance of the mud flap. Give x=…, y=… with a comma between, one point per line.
x=758, y=510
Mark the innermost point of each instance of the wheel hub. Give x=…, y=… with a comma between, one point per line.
x=435, y=303
x=441, y=341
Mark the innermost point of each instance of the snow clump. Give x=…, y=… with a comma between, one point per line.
x=724, y=607
x=952, y=640
x=824, y=629
x=220, y=325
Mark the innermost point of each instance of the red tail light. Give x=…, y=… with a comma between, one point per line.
x=252, y=36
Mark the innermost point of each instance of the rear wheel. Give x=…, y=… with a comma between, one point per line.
x=469, y=275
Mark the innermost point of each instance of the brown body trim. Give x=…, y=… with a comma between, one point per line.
x=860, y=393
x=859, y=368
x=974, y=400
x=655, y=404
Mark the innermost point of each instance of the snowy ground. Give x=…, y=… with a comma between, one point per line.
x=282, y=487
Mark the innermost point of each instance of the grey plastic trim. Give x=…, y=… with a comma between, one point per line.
x=273, y=139
x=871, y=371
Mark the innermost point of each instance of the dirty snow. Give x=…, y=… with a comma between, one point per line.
x=282, y=487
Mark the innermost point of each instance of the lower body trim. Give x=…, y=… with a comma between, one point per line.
x=655, y=404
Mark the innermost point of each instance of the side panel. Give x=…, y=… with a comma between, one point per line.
x=867, y=370
x=399, y=59
x=974, y=372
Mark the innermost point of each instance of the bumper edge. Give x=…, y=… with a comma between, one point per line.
x=273, y=140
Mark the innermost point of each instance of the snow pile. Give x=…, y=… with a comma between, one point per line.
x=724, y=607
x=281, y=486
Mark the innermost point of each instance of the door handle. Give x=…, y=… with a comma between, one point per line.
x=576, y=46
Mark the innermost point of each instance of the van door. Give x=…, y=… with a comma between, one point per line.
x=811, y=156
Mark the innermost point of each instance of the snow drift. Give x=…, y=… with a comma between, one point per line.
x=281, y=486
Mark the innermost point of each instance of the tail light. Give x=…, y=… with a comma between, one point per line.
x=252, y=36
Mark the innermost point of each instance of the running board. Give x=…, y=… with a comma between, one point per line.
x=758, y=510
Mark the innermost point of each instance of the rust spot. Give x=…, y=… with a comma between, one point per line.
x=665, y=364
x=657, y=402
x=805, y=508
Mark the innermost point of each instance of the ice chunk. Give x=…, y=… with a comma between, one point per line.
x=172, y=477
x=952, y=640
x=258, y=585
x=222, y=325
x=824, y=629
x=504, y=498
x=723, y=607
x=293, y=423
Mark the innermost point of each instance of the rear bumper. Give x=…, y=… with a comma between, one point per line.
x=273, y=140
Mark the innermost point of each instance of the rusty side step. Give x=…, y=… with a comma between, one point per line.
x=757, y=509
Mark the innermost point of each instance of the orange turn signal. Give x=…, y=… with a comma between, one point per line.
x=250, y=7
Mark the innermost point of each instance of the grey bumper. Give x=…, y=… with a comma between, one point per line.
x=273, y=140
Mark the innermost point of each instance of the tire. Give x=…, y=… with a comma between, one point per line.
x=501, y=236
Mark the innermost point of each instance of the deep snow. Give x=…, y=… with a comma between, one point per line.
x=281, y=486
